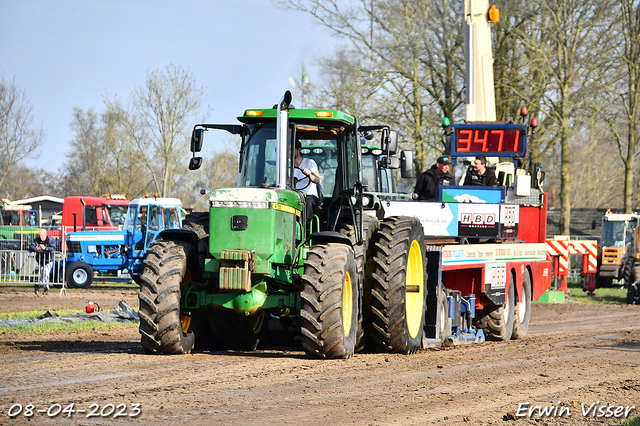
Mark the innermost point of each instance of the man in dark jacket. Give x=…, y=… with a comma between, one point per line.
x=430, y=180
x=44, y=247
x=480, y=175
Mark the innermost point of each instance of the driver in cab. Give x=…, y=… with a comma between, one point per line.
x=307, y=179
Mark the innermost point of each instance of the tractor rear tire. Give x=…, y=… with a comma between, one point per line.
x=363, y=254
x=330, y=301
x=238, y=332
x=398, y=292
x=199, y=223
x=629, y=271
x=604, y=282
x=497, y=321
x=522, y=313
x=163, y=327
x=631, y=294
x=79, y=274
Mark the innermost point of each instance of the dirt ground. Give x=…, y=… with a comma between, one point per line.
x=576, y=357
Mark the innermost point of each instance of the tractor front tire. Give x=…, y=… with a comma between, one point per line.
x=522, y=313
x=398, y=288
x=79, y=274
x=330, y=301
x=163, y=327
x=497, y=321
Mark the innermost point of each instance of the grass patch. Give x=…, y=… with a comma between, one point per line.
x=616, y=295
x=51, y=327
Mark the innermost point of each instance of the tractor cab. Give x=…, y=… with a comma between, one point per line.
x=146, y=218
x=331, y=138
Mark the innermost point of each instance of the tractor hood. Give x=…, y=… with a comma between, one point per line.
x=256, y=198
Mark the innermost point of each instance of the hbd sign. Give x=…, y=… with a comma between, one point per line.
x=478, y=220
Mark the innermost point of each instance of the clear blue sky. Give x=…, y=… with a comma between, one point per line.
x=71, y=53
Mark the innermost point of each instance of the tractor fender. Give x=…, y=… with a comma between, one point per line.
x=193, y=259
x=330, y=237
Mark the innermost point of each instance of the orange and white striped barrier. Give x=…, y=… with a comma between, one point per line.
x=561, y=247
x=589, y=250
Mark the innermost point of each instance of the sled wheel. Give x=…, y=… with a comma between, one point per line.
x=522, y=313
x=497, y=321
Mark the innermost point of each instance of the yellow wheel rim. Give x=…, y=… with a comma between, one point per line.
x=347, y=304
x=414, y=289
x=185, y=320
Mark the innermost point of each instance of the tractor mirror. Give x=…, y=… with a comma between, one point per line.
x=389, y=141
x=406, y=164
x=196, y=140
x=195, y=163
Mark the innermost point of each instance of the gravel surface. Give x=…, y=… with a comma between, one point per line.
x=576, y=358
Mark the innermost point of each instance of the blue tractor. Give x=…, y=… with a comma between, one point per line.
x=113, y=251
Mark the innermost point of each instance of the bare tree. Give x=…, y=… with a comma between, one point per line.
x=18, y=139
x=100, y=160
x=620, y=101
x=157, y=124
x=568, y=56
x=405, y=58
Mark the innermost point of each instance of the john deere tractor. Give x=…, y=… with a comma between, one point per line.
x=341, y=279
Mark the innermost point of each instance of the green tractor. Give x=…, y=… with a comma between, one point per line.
x=343, y=280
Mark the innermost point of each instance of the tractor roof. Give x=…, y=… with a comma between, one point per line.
x=314, y=115
x=156, y=201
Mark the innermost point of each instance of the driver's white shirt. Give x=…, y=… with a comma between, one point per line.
x=303, y=180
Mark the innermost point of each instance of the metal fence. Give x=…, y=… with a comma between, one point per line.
x=18, y=264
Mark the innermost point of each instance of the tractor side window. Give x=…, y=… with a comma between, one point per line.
x=141, y=223
x=154, y=223
x=92, y=217
x=385, y=180
x=130, y=220
x=351, y=159
x=171, y=215
x=369, y=172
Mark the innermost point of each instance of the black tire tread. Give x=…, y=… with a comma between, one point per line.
x=363, y=254
x=160, y=328
x=520, y=330
x=321, y=299
x=493, y=323
x=388, y=316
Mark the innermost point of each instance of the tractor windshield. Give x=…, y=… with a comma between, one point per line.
x=259, y=157
x=319, y=143
x=117, y=213
x=616, y=233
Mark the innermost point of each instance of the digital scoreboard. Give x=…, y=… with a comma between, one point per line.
x=490, y=139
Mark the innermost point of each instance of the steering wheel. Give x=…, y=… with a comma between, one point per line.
x=301, y=180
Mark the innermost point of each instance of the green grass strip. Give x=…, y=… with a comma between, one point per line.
x=51, y=327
